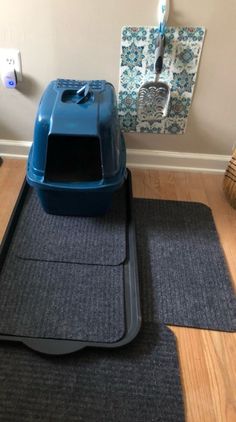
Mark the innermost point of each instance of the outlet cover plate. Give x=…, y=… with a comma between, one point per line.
x=11, y=56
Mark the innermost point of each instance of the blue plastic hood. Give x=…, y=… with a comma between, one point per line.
x=75, y=110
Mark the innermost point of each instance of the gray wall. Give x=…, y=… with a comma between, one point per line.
x=81, y=39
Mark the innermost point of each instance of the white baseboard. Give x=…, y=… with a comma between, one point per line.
x=140, y=158
x=184, y=161
x=14, y=149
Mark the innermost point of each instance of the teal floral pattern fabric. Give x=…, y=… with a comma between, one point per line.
x=181, y=60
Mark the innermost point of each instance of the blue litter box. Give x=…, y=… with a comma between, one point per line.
x=78, y=159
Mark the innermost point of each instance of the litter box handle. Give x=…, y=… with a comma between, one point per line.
x=162, y=18
x=162, y=15
x=159, y=53
x=83, y=94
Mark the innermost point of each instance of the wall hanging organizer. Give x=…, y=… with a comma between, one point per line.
x=182, y=52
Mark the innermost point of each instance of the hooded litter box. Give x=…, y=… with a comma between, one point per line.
x=78, y=157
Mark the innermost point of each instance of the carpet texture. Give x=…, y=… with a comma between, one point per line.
x=81, y=240
x=184, y=278
x=138, y=383
x=63, y=276
x=58, y=300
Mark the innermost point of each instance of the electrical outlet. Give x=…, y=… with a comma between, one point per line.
x=11, y=57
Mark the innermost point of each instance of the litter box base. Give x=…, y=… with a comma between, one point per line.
x=132, y=312
x=83, y=204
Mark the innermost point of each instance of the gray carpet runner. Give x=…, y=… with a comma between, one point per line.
x=63, y=277
x=61, y=300
x=84, y=240
x=138, y=383
x=183, y=273
x=50, y=289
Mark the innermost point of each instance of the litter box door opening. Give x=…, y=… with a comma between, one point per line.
x=73, y=159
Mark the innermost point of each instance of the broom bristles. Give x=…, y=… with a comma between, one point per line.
x=229, y=182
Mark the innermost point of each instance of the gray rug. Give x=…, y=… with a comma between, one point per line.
x=184, y=278
x=91, y=240
x=61, y=300
x=138, y=383
x=63, y=276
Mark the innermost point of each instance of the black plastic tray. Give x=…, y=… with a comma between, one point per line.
x=131, y=288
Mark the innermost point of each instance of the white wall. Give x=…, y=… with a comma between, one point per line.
x=81, y=39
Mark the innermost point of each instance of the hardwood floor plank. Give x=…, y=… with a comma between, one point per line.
x=12, y=173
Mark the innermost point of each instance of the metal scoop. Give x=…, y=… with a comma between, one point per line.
x=154, y=96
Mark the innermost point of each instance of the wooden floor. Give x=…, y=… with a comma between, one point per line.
x=207, y=358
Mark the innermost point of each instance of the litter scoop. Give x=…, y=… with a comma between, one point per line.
x=154, y=96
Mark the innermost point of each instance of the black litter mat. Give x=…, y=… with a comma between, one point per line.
x=91, y=240
x=69, y=282
x=58, y=300
x=183, y=273
x=137, y=383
